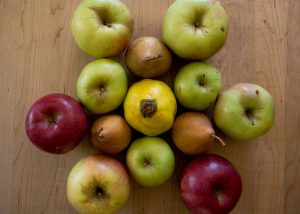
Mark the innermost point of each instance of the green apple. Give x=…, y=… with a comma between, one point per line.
x=102, y=28
x=150, y=160
x=195, y=29
x=245, y=111
x=197, y=85
x=102, y=86
x=98, y=184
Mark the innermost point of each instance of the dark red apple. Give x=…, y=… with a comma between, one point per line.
x=56, y=123
x=210, y=185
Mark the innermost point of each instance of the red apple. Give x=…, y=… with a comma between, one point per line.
x=56, y=123
x=210, y=185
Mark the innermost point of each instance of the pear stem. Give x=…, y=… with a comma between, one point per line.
x=219, y=139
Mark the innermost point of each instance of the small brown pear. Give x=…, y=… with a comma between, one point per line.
x=148, y=57
x=193, y=133
x=110, y=134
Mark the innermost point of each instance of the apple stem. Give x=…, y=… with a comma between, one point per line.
x=219, y=139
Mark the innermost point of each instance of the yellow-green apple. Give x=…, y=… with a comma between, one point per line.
x=98, y=184
x=102, y=28
x=210, y=184
x=102, y=86
x=56, y=123
x=197, y=85
x=148, y=57
x=150, y=160
x=195, y=29
x=244, y=111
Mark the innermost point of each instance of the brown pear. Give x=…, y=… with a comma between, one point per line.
x=193, y=133
x=110, y=134
x=148, y=57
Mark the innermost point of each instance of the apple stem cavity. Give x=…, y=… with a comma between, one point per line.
x=107, y=24
x=99, y=192
x=219, y=139
x=198, y=18
x=148, y=107
x=216, y=190
x=51, y=119
x=202, y=80
x=102, y=14
x=146, y=163
x=249, y=114
x=102, y=89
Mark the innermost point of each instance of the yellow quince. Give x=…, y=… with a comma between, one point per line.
x=150, y=107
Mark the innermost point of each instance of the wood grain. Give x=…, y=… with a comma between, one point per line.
x=292, y=116
x=39, y=56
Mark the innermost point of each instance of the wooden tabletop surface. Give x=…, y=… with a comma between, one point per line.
x=39, y=56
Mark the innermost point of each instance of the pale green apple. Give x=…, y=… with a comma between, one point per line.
x=245, y=111
x=150, y=160
x=102, y=86
x=195, y=29
x=197, y=85
x=98, y=184
x=102, y=28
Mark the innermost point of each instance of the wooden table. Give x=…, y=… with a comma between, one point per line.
x=39, y=56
